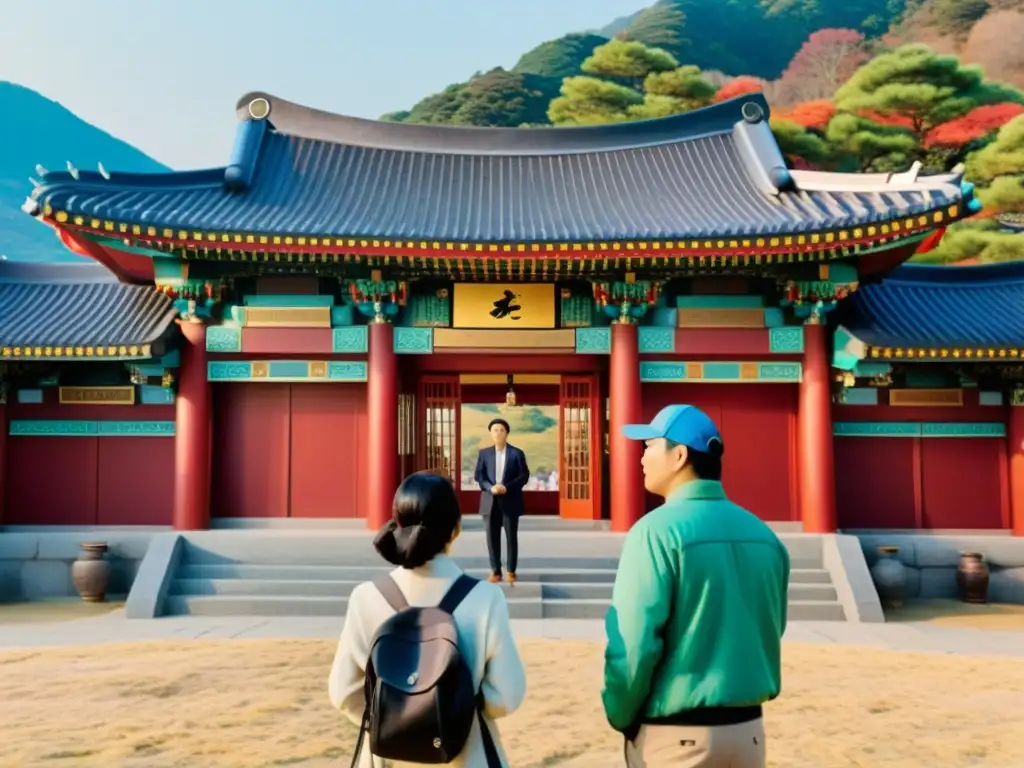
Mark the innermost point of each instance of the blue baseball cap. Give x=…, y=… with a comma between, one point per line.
x=683, y=424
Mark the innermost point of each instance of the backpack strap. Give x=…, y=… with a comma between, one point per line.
x=456, y=593
x=392, y=593
x=490, y=750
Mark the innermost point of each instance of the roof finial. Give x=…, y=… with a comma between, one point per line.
x=103, y=171
x=40, y=170
x=35, y=182
x=73, y=171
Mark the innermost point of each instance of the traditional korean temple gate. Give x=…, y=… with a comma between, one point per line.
x=719, y=292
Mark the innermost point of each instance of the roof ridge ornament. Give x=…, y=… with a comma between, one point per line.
x=259, y=108
x=908, y=176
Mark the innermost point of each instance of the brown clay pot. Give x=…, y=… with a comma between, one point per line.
x=90, y=573
x=890, y=577
x=972, y=577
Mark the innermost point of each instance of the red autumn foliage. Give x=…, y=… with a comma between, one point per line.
x=977, y=123
x=739, y=86
x=812, y=115
x=897, y=121
x=826, y=61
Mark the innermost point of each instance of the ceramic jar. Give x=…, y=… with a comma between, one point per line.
x=972, y=577
x=890, y=577
x=90, y=573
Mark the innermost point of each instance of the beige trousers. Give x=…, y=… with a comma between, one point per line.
x=687, y=746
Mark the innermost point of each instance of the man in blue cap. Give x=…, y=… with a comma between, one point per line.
x=698, y=610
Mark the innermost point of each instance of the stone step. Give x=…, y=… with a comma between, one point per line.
x=572, y=575
x=519, y=607
x=299, y=589
x=364, y=573
x=815, y=610
x=538, y=549
x=264, y=606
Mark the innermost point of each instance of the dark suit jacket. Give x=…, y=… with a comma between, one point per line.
x=517, y=474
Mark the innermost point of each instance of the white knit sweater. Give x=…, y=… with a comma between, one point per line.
x=485, y=641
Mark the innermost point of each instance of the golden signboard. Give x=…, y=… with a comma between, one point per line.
x=96, y=395
x=504, y=305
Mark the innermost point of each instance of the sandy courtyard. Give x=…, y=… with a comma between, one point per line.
x=264, y=703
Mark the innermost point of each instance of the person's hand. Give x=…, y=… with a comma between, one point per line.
x=498, y=489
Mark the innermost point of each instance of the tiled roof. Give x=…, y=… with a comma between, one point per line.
x=926, y=306
x=706, y=173
x=70, y=306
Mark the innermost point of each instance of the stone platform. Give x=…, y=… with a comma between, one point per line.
x=565, y=572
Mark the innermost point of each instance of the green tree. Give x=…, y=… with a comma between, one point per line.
x=629, y=81
x=630, y=61
x=590, y=101
x=866, y=145
x=998, y=169
x=915, y=84
x=796, y=142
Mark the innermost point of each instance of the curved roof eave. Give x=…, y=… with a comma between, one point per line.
x=319, y=125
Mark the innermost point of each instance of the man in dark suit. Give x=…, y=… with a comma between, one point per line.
x=501, y=472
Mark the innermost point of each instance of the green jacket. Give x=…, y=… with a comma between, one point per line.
x=698, y=610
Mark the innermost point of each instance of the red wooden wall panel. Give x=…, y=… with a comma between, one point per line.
x=757, y=429
x=328, y=450
x=962, y=481
x=756, y=425
x=875, y=482
x=250, y=450
x=135, y=480
x=52, y=480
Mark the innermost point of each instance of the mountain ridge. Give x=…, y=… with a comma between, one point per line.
x=39, y=130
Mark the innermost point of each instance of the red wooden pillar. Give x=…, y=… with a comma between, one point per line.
x=192, y=433
x=382, y=412
x=626, y=477
x=1015, y=457
x=815, y=462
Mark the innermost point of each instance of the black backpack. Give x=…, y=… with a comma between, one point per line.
x=420, y=697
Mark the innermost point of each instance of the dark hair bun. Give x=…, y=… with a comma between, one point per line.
x=424, y=519
x=408, y=547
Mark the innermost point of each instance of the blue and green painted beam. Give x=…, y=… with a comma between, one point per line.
x=287, y=370
x=345, y=340
x=79, y=428
x=660, y=339
x=723, y=372
x=918, y=429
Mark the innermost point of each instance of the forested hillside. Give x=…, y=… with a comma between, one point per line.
x=866, y=85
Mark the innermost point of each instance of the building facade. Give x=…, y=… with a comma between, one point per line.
x=346, y=301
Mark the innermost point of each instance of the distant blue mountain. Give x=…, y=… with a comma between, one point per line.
x=37, y=131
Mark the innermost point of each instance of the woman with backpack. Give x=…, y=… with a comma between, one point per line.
x=426, y=660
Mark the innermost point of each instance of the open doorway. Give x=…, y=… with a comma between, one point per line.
x=534, y=418
x=553, y=419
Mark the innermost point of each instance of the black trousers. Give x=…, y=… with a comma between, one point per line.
x=495, y=522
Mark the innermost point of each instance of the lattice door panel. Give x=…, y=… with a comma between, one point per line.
x=440, y=404
x=578, y=469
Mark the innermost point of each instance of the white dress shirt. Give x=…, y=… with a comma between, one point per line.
x=499, y=464
x=485, y=640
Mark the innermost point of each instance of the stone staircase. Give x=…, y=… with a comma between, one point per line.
x=562, y=574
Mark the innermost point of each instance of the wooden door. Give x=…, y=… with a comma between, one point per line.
x=579, y=469
x=440, y=404
x=327, y=475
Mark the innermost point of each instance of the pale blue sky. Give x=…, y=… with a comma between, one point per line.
x=164, y=75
